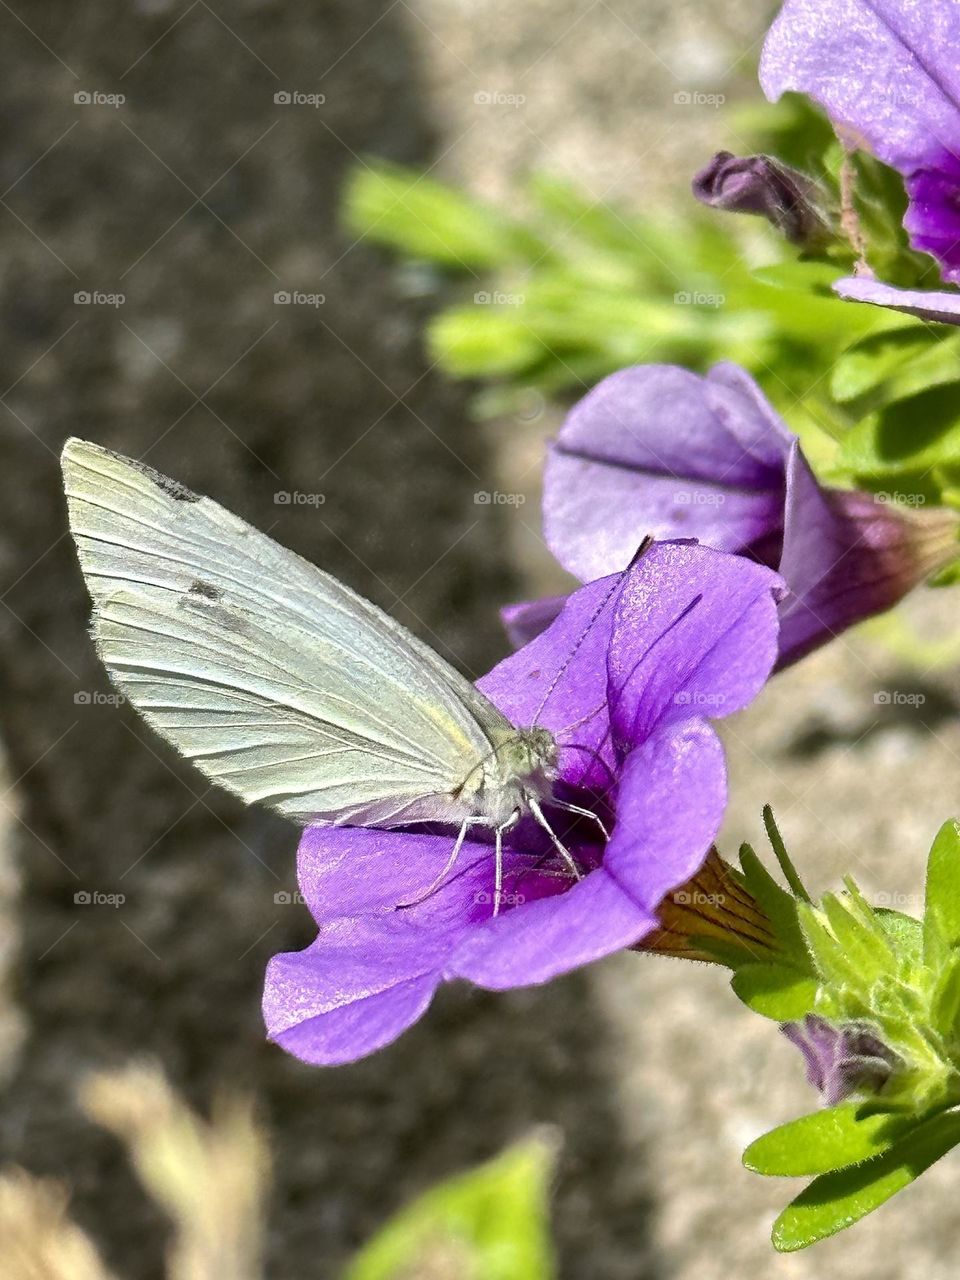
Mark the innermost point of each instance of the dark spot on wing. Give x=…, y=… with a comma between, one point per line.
x=173, y=488
x=207, y=605
x=206, y=589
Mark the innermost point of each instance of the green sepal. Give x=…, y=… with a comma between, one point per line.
x=837, y=1200
x=905, y=932
x=866, y=950
x=828, y=955
x=826, y=1140
x=779, y=906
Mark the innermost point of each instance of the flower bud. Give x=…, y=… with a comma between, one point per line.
x=788, y=199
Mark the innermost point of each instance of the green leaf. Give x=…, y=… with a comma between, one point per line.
x=488, y=1224
x=942, y=914
x=824, y=1141
x=890, y=366
x=945, y=1001
x=905, y=441
x=775, y=991
x=809, y=277
x=427, y=219
x=838, y=1200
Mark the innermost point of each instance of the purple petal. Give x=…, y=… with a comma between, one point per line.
x=886, y=70
x=353, y=871
x=887, y=73
x=560, y=679
x=848, y=556
x=344, y=1034
x=709, y=621
x=673, y=792
x=658, y=450
x=356, y=987
x=525, y=621
x=938, y=306
x=540, y=940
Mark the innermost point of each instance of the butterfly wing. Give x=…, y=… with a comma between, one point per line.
x=277, y=681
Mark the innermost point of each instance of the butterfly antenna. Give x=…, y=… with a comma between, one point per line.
x=641, y=551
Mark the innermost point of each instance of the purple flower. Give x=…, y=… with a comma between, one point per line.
x=841, y=1061
x=625, y=679
x=761, y=185
x=658, y=450
x=888, y=75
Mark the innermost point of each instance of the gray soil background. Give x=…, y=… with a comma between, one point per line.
x=197, y=199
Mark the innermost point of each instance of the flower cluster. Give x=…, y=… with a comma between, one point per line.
x=710, y=555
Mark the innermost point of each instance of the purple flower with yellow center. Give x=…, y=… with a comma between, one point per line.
x=887, y=74
x=659, y=450
x=626, y=679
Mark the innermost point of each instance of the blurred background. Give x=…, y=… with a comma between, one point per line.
x=178, y=284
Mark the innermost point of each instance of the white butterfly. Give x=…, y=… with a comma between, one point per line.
x=279, y=682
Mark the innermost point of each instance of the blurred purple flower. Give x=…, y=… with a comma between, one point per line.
x=633, y=669
x=658, y=450
x=841, y=1061
x=888, y=75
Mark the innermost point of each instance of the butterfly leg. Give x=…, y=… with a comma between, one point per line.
x=450, y=863
x=584, y=813
x=498, y=870
x=558, y=844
